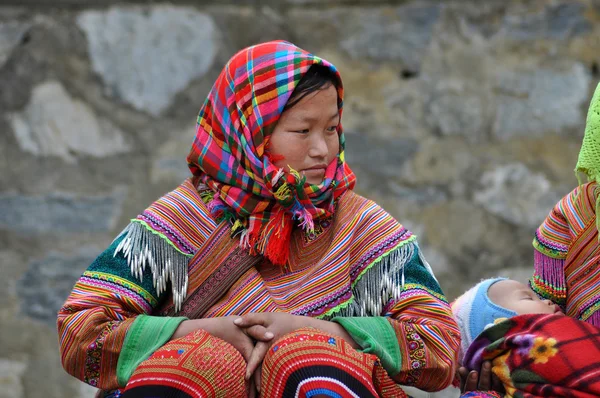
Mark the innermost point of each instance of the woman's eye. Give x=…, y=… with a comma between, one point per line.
x=332, y=129
x=305, y=131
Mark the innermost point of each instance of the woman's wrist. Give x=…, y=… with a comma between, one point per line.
x=188, y=326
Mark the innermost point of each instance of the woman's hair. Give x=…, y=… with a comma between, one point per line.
x=318, y=77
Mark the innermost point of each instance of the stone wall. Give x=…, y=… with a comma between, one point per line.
x=464, y=120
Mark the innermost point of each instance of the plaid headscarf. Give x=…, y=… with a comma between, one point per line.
x=229, y=153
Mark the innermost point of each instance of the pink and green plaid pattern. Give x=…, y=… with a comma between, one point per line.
x=229, y=151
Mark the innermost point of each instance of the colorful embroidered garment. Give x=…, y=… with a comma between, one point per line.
x=482, y=394
x=363, y=270
x=347, y=260
x=194, y=366
x=567, y=254
x=567, y=247
x=541, y=355
x=301, y=364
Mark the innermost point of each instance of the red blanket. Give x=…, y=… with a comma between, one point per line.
x=541, y=355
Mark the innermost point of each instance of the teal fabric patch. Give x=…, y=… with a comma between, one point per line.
x=145, y=335
x=376, y=336
x=117, y=265
x=416, y=273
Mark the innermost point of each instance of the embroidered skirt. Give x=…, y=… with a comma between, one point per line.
x=304, y=363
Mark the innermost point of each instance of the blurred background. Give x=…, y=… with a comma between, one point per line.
x=463, y=120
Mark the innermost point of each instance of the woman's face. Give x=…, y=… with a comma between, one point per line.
x=305, y=137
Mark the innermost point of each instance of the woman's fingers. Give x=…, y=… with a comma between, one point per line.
x=252, y=389
x=485, y=377
x=258, y=354
x=245, y=348
x=463, y=374
x=254, y=326
x=253, y=318
x=471, y=382
x=483, y=381
x=258, y=332
x=258, y=378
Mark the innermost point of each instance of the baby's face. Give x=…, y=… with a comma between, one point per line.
x=520, y=298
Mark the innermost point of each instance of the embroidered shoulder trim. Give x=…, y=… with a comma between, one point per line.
x=143, y=248
x=380, y=282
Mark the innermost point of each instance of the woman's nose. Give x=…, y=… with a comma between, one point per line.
x=318, y=146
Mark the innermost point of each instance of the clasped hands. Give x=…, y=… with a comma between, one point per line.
x=251, y=334
x=262, y=329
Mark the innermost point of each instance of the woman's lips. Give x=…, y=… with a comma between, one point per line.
x=320, y=170
x=314, y=175
x=316, y=170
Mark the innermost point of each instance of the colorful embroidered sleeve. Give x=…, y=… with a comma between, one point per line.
x=481, y=394
x=417, y=338
x=551, y=243
x=100, y=329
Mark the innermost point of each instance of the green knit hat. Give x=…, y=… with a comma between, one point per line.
x=589, y=155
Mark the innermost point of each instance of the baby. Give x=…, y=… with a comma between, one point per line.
x=492, y=300
x=533, y=348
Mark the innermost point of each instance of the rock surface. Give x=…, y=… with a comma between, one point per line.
x=55, y=124
x=463, y=119
x=146, y=56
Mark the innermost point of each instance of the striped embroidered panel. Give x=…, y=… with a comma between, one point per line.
x=567, y=255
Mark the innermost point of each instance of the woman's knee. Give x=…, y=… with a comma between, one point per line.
x=307, y=361
x=198, y=364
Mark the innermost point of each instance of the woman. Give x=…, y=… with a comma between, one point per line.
x=567, y=249
x=566, y=246
x=265, y=262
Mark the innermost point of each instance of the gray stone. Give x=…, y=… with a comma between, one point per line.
x=46, y=284
x=55, y=124
x=11, y=34
x=378, y=162
x=60, y=212
x=398, y=35
x=146, y=55
x=555, y=22
x=540, y=102
x=337, y=2
x=437, y=260
x=439, y=263
x=517, y=273
x=86, y=391
x=378, y=156
x=407, y=104
x=455, y=113
x=169, y=162
x=422, y=196
x=442, y=162
x=11, y=374
x=516, y=194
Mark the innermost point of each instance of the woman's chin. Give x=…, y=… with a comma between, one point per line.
x=314, y=181
x=314, y=177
